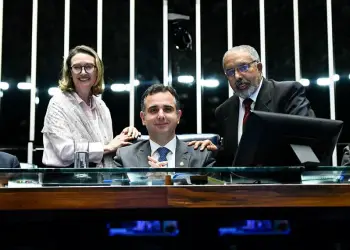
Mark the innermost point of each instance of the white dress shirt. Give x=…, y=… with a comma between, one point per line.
x=171, y=145
x=242, y=110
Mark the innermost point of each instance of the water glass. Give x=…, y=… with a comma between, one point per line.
x=81, y=156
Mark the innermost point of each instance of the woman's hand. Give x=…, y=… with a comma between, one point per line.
x=131, y=131
x=121, y=140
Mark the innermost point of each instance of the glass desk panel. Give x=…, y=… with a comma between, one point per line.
x=34, y=177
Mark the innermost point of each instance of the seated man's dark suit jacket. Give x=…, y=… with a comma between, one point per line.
x=278, y=97
x=8, y=161
x=136, y=156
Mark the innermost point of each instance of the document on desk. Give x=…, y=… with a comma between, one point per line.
x=14, y=184
x=144, y=179
x=315, y=177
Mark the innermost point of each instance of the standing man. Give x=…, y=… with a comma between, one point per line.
x=243, y=69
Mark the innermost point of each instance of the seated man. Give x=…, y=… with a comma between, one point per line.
x=160, y=113
x=8, y=161
x=346, y=156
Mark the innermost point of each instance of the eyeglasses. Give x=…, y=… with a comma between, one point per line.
x=77, y=69
x=242, y=68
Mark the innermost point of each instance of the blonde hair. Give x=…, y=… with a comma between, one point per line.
x=66, y=83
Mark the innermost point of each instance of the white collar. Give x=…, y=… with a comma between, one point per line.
x=92, y=103
x=171, y=145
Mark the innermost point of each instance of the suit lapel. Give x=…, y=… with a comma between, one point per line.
x=231, y=123
x=144, y=151
x=263, y=102
x=182, y=157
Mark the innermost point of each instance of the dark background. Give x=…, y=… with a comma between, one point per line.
x=15, y=103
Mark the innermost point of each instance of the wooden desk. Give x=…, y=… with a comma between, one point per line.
x=49, y=216
x=236, y=196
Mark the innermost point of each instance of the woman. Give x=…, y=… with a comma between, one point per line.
x=76, y=113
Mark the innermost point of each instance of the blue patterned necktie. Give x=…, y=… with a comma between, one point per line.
x=162, y=151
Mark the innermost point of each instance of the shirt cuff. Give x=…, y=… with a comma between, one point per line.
x=95, y=152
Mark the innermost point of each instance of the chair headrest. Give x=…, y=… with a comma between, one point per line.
x=214, y=138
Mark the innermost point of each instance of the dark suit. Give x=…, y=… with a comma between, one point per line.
x=185, y=156
x=8, y=161
x=278, y=97
x=346, y=157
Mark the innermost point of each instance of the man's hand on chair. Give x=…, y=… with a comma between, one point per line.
x=203, y=144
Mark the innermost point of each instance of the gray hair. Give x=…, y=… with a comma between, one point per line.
x=244, y=48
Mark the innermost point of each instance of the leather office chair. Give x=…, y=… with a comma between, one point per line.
x=214, y=138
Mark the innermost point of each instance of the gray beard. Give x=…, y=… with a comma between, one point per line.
x=247, y=92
